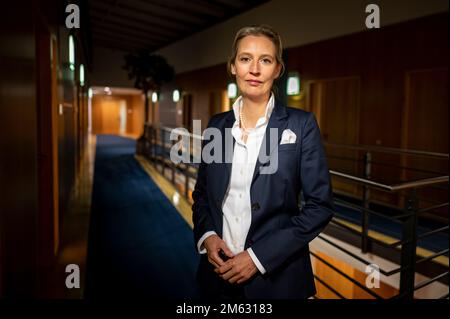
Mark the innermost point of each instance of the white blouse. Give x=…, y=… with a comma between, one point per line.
x=236, y=207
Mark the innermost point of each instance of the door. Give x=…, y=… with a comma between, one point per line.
x=123, y=117
x=110, y=115
x=425, y=128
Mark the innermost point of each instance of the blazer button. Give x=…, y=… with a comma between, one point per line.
x=255, y=206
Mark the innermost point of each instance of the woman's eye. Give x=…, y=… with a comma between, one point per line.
x=267, y=61
x=244, y=59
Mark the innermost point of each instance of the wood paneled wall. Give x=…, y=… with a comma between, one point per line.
x=381, y=59
x=41, y=143
x=18, y=182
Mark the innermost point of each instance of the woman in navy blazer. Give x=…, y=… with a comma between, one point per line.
x=255, y=245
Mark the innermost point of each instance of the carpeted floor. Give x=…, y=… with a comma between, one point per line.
x=139, y=245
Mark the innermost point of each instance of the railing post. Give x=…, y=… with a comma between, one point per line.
x=172, y=165
x=148, y=142
x=150, y=138
x=163, y=151
x=186, y=183
x=163, y=142
x=159, y=138
x=365, y=244
x=408, y=252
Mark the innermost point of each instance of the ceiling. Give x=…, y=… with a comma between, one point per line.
x=132, y=25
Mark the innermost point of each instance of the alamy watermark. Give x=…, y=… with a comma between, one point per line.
x=373, y=19
x=215, y=151
x=73, y=19
x=73, y=277
x=373, y=276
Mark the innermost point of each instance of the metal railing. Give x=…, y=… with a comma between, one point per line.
x=156, y=147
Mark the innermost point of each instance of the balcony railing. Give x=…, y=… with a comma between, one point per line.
x=156, y=148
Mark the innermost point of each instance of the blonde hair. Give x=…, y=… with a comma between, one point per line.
x=257, y=30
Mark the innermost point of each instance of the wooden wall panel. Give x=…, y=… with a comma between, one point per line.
x=136, y=115
x=380, y=59
x=425, y=127
x=335, y=103
x=39, y=144
x=47, y=157
x=18, y=159
x=425, y=114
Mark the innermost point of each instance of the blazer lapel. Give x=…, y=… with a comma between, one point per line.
x=227, y=155
x=277, y=121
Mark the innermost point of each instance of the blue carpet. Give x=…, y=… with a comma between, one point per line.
x=139, y=245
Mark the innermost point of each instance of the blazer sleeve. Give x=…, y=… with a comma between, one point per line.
x=201, y=213
x=277, y=247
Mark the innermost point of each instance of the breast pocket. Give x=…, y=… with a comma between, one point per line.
x=287, y=159
x=287, y=147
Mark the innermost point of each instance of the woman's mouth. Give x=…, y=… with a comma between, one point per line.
x=254, y=82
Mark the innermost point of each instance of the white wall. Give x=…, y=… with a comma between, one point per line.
x=298, y=21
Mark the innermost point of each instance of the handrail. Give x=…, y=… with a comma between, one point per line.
x=396, y=187
x=429, y=281
x=393, y=188
x=383, y=149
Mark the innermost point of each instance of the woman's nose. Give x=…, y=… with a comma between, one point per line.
x=254, y=67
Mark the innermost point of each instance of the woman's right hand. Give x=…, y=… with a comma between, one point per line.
x=213, y=244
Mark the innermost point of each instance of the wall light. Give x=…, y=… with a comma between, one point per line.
x=90, y=93
x=232, y=90
x=176, y=95
x=154, y=97
x=293, y=84
x=81, y=74
x=71, y=53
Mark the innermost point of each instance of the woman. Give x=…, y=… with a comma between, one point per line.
x=251, y=234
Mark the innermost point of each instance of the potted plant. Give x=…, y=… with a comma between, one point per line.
x=149, y=72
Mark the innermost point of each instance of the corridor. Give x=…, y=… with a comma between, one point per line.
x=98, y=98
x=139, y=245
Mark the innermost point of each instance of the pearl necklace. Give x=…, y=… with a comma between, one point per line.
x=241, y=119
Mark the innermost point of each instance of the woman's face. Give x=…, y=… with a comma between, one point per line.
x=255, y=66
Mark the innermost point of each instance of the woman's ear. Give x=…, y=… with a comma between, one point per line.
x=279, y=68
x=233, y=69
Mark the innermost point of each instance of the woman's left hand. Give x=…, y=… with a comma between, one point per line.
x=238, y=269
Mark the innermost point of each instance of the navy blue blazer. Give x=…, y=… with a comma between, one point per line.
x=280, y=230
